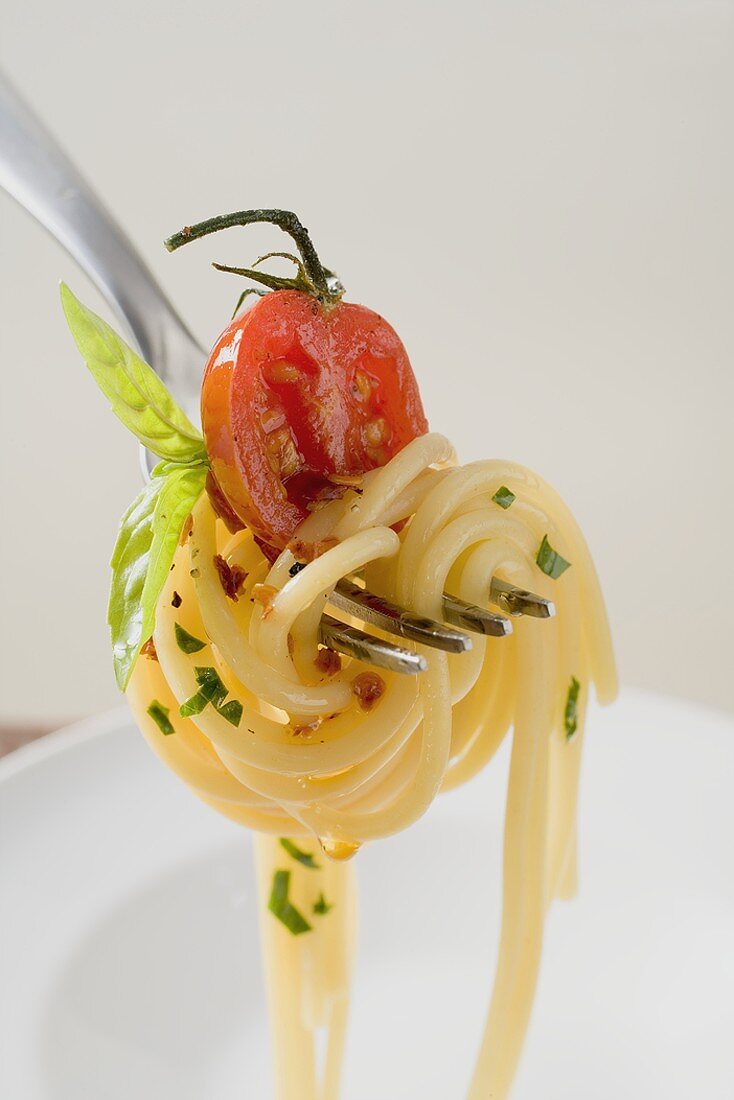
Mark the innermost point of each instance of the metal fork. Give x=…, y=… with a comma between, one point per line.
x=39, y=175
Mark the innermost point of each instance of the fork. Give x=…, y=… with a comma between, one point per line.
x=36, y=172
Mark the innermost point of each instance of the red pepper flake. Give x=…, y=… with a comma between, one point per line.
x=309, y=551
x=369, y=689
x=148, y=650
x=328, y=661
x=264, y=594
x=307, y=729
x=176, y=601
x=231, y=577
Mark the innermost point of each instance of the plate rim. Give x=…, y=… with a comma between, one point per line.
x=60, y=740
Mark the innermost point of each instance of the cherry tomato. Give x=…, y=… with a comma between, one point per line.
x=298, y=397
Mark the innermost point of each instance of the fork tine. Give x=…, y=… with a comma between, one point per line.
x=365, y=605
x=518, y=601
x=366, y=647
x=474, y=618
x=373, y=609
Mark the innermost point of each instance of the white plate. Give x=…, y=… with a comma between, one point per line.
x=130, y=969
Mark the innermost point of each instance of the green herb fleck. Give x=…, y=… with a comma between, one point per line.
x=186, y=642
x=570, y=715
x=504, y=497
x=194, y=705
x=550, y=561
x=232, y=711
x=210, y=685
x=298, y=854
x=211, y=690
x=322, y=906
x=159, y=714
x=282, y=908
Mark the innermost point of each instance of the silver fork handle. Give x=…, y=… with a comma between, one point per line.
x=37, y=173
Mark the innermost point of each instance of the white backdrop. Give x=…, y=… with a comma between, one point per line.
x=537, y=195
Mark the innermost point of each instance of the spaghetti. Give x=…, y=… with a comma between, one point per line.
x=284, y=742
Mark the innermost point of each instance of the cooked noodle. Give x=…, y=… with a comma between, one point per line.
x=306, y=761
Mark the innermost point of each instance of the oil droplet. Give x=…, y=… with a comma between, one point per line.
x=338, y=850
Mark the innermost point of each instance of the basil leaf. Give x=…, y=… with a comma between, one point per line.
x=141, y=560
x=137, y=395
x=212, y=690
x=211, y=686
x=570, y=714
x=130, y=627
x=322, y=906
x=550, y=561
x=186, y=642
x=282, y=908
x=232, y=711
x=298, y=854
x=159, y=714
x=504, y=497
x=194, y=705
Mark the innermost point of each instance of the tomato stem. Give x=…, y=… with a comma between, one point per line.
x=325, y=285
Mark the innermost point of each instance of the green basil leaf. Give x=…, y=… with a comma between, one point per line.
x=159, y=714
x=194, y=705
x=186, y=642
x=211, y=685
x=298, y=854
x=137, y=395
x=232, y=711
x=212, y=690
x=322, y=906
x=149, y=534
x=504, y=497
x=127, y=621
x=282, y=908
x=570, y=714
x=550, y=561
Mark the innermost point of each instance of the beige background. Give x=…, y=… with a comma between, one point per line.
x=537, y=195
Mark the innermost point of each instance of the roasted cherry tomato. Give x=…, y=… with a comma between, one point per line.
x=299, y=397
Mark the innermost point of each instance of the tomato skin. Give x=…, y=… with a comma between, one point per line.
x=295, y=393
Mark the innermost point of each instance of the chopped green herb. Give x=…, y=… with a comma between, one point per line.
x=550, y=561
x=504, y=497
x=211, y=685
x=211, y=690
x=186, y=642
x=570, y=715
x=194, y=705
x=282, y=908
x=232, y=711
x=322, y=906
x=159, y=714
x=298, y=854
